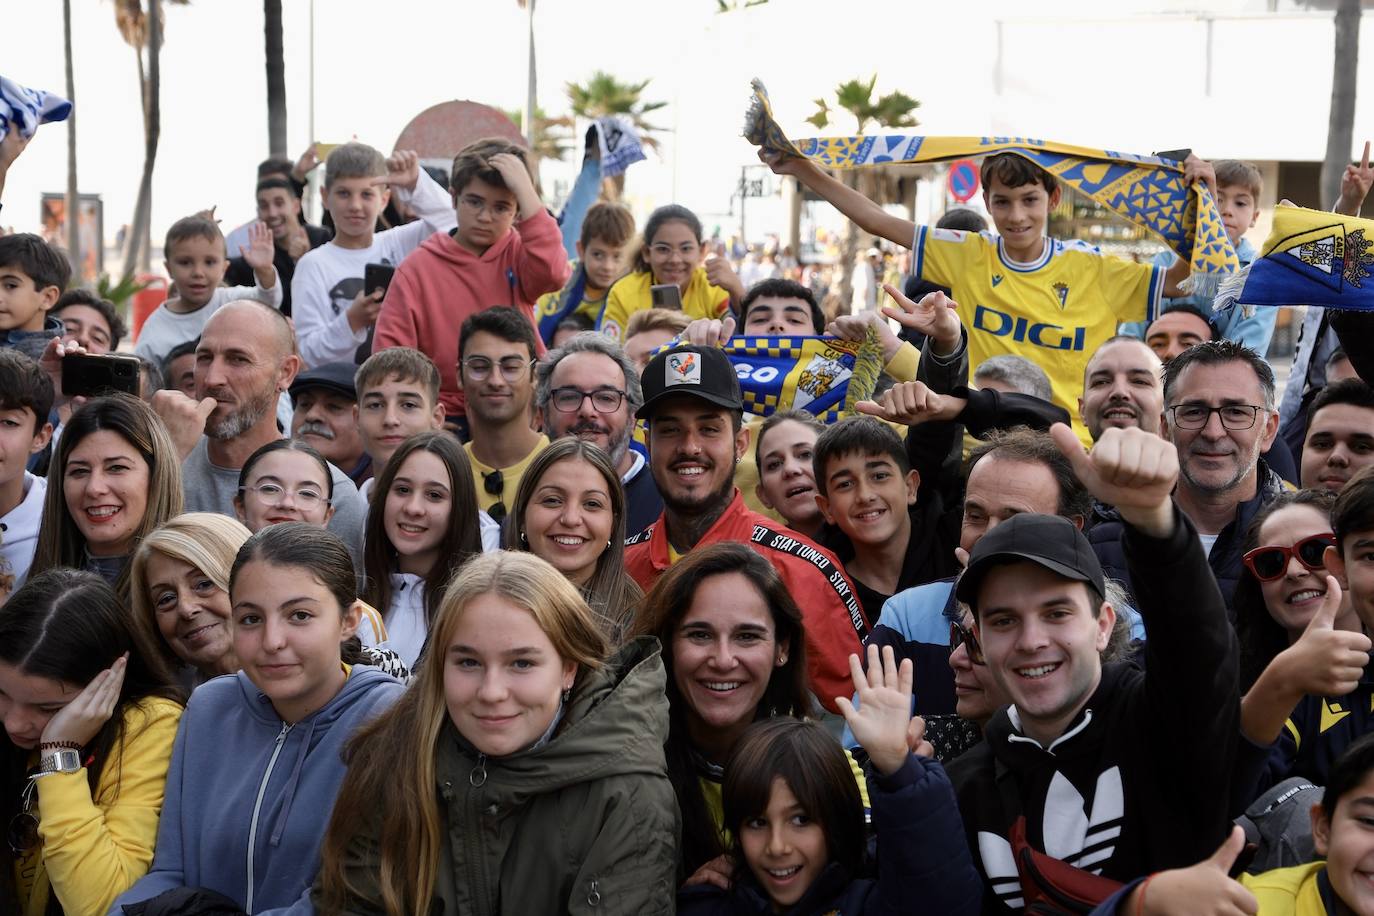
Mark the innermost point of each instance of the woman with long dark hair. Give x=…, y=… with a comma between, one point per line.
x=735, y=653
x=114, y=477
x=90, y=715
x=570, y=510
x=421, y=527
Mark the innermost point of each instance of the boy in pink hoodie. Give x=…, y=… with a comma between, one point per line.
x=480, y=264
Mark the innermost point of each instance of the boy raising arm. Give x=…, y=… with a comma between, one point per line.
x=1053, y=302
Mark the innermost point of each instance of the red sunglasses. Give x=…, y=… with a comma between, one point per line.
x=1270, y=563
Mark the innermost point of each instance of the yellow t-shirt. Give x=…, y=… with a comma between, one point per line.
x=1055, y=311
x=1288, y=891
x=510, y=477
x=631, y=294
x=588, y=308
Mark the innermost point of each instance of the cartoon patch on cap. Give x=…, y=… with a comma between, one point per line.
x=682, y=369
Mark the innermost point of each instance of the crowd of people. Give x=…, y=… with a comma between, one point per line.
x=423, y=571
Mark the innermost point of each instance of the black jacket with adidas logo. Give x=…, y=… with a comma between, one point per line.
x=1140, y=781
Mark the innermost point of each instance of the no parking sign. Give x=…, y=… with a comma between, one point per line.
x=963, y=180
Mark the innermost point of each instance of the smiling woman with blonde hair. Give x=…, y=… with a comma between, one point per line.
x=549, y=757
x=179, y=587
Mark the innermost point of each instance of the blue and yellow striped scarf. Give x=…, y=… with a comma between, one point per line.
x=1146, y=190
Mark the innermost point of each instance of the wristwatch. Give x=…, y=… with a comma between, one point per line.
x=63, y=761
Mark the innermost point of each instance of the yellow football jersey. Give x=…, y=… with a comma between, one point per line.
x=1055, y=311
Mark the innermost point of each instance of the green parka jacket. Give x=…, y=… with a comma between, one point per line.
x=584, y=824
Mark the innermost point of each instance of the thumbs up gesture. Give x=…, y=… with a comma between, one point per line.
x=1130, y=469
x=1324, y=661
x=1203, y=889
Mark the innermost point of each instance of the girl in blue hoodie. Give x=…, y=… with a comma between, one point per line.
x=257, y=761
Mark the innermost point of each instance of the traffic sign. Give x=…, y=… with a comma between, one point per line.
x=963, y=180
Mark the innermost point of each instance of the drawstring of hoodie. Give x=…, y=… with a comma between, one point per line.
x=284, y=815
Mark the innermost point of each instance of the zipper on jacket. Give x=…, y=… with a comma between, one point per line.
x=472, y=834
x=257, y=807
x=594, y=895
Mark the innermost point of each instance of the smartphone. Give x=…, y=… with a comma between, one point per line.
x=91, y=376
x=666, y=296
x=377, y=277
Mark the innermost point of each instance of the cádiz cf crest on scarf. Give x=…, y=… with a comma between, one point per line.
x=1310, y=258
x=1146, y=190
x=821, y=375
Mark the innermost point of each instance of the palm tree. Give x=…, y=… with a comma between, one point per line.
x=142, y=30
x=1341, y=122
x=276, y=79
x=73, y=194
x=552, y=136
x=893, y=110
x=603, y=95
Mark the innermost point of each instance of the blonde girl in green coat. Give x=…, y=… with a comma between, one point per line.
x=522, y=772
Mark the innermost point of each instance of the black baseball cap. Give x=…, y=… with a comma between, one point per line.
x=703, y=372
x=1052, y=541
x=335, y=377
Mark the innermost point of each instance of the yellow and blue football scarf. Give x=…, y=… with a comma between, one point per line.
x=1310, y=258
x=1146, y=190
x=824, y=376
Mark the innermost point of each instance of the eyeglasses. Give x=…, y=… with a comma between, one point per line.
x=1270, y=563
x=604, y=400
x=961, y=636
x=494, y=483
x=499, y=209
x=1233, y=416
x=512, y=367
x=274, y=494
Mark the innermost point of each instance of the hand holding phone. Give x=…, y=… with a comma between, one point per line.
x=377, y=277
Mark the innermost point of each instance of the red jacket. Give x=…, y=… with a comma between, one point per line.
x=834, y=622
x=441, y=283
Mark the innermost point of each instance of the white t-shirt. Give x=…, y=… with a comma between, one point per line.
x=1208, y=541
x=328, y=278
x=165, y=330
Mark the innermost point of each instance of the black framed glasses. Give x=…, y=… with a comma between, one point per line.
x=1233, y=416
x=494, y=484
x=1270, y=563
x=604, y=400
x=512, y=368
x=959, y=635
